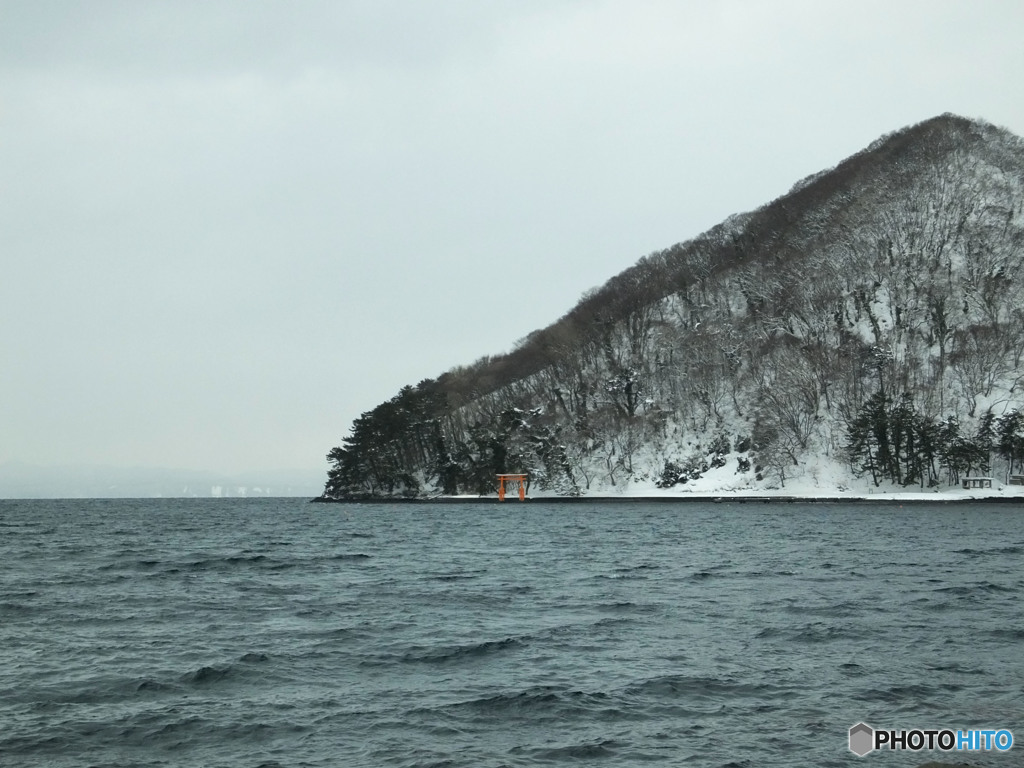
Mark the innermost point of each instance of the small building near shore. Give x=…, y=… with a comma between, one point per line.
x=977, y=482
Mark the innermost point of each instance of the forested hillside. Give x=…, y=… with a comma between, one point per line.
x=873, y=318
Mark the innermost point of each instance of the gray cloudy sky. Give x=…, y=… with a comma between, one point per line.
x=229, y=227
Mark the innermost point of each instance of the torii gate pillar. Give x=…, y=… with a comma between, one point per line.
x=509, y=482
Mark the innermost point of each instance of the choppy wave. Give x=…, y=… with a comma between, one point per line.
x=275, y=633
x=1014, y=549
x=442, y=654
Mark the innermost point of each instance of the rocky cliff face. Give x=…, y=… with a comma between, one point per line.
x=873, y=317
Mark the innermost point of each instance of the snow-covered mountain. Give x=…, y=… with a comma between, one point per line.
x=867, y=327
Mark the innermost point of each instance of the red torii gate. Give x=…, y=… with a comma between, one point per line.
x=510, y=482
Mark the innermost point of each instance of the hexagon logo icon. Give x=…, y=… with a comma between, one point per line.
x=862, y=737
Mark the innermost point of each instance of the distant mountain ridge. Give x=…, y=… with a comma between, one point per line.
x=871, y=320
x=28, y=481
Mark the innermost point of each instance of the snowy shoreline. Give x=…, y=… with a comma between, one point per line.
x=823, y=481
x=1003, y=496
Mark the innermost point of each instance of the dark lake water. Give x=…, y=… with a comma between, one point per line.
x=274, y=632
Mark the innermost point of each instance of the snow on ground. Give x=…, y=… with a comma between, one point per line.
x=822, y=478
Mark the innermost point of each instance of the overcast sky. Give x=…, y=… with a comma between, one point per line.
x=228, y=228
